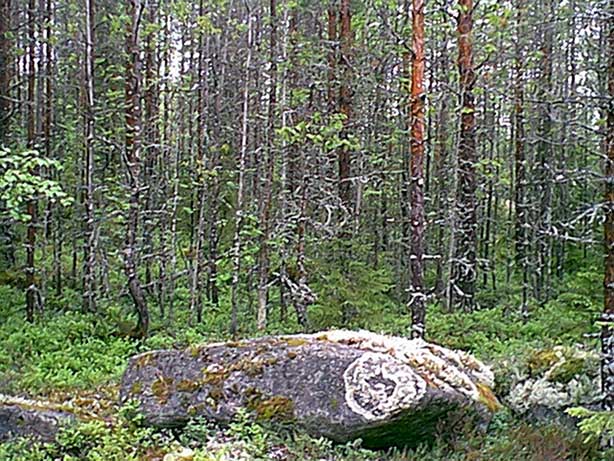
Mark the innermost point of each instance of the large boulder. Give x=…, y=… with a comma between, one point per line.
x=339, y=384
x=31, y=419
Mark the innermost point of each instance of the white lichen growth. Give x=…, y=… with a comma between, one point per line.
x=376, y=385
x=538, y=391
x=447, y=370
x=535, y=392
x=546, y=390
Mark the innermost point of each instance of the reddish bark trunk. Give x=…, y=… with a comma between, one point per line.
x=607, y=332
x=417, y=301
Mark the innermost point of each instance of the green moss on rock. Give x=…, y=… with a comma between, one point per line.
x=488, y=398
x=541, y=361
x=161, y=388
x=278, y=408
x=215, y=376
x=187, y=385
x=295, y=342
x=194, y=351
x=566, y=370
x=249, y=366
x=216, y=393
x=136, y=388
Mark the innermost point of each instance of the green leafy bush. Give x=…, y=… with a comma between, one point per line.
x=595, y=425
x=62, y=351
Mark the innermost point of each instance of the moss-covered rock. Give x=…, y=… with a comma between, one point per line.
x=277, y=407
x=33, y=419
x=556, y=378
x=566, y=370
x=541, y=361
x=339, y=384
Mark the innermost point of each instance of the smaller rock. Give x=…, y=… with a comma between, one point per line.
x=558, y=378
x=32, y=419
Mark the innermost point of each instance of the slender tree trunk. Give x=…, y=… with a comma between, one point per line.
x=89, y=251
x=31, y=288
x=151, y=146
x=405, y=186
x=284, y=199
x=302, y=295
x=7, y=248
x=441, y=203
x=520, y=162
x=607, y=331
x=332, y=57
x=196, y=306
x=464, y=264
x=345, y=106
x=6, y=67
x=237, y=241
x=545, y=158
x=133, y=160
x=164, y=160
x=47, y=120
x=216, y=184
x=176, y=177
x=417, y=302
x=440, y=154
x=265, y=201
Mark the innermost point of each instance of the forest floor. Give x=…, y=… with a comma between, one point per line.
x=80, y=357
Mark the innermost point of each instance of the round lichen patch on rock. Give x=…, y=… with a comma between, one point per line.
x=376, y=385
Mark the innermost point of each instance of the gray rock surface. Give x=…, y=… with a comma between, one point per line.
x=26, y=418
x=339, y=384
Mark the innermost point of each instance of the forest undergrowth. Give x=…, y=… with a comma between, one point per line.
x=71, y=356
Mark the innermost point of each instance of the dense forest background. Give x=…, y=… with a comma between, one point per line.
x=186, y=170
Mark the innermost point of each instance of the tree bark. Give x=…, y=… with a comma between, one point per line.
x=545, y=158
x=265, y=203
x=607, y=331
x=332, y=57
x=31, y=288
x=89, y=252
x=520, y=162
x=196, y=306
x=417, y=302
x=133, y=160
x=6, y=66
x=345, y=106
x=7, y=248
x=237, y=240
x=464, y=263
